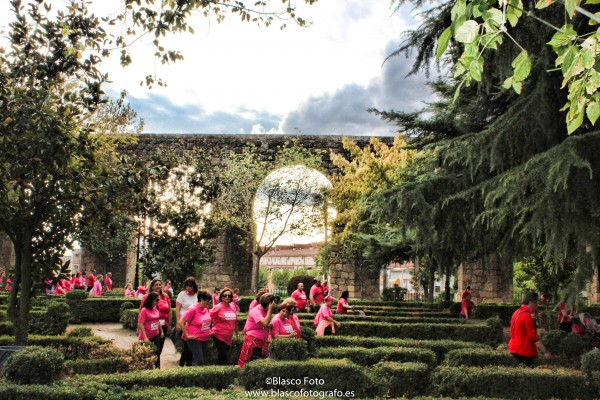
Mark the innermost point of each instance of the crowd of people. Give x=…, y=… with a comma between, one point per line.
x=95, y=284
x=201, y=315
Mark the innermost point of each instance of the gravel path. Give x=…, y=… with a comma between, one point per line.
x=123, y=338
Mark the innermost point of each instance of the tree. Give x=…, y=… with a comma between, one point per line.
x=49, y=88
x=281, y=278
x=180, y=191
x=283, y=204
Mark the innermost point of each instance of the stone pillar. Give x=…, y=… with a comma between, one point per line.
x=594, y=291
x=361, y=283
x=120, y=269
x=7, y=252
x=232, y=266
x=491, y=280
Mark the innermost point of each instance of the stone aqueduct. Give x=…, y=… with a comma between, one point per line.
x=233, y=263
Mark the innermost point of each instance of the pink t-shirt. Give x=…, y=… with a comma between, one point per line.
x=317, y=293
x=253, y=304
x=164, y=307
x=150, y=321
x=108, y=283
x=224, y=317
x=300, y=298
x=128, y=293
x=97, y=289
x=198, y=322
x=66, y=285
x=215, y=299
x=281, y=327
x=340, y=307
x=253, y=327
x=323, y=313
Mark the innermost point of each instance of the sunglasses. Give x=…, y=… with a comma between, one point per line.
x=227, y=295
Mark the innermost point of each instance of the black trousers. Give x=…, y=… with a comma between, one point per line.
x=186, y=358
x=222, y=351
x=526, y=361
x=156, y=341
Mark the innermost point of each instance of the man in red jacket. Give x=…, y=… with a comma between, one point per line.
x=524, y=341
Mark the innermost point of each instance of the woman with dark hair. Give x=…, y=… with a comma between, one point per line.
x=149, y=324
x=257, y=297
x=195, y=326
x=285, y=324
x=142, y=290
x=215, y=296
x=164, y=308
x=324, y=322
x=342, y=305
x=224, y=317
x=256, y=341
x=185, y=300
x=97, y=288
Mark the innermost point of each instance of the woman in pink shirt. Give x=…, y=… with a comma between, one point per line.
x=285, y=324
x=149, y=323
x=142, y=290
x=256, y=341
x=257, y=297
x=58, y=287
x=108, y=282
x=97, y=288
x=215, y=297
x=324, y=321
x=236, y=296
x=195, y=325
x=342, y=305
x=224, y=324
x=164, y=308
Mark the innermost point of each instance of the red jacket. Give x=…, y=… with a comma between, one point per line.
x=523, y=334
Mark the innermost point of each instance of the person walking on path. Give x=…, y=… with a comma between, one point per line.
x=342, y=305
x=186, y=298
x=258, y=324
x=324, y=322
x=524, y=341
x=149, y=324
x=195, y=326
x=164, y=308
x=97, y=288
x=316, y=295
x=299, y=296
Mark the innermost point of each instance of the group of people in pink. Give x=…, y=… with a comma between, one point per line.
x=94, y=284
x=197, y=321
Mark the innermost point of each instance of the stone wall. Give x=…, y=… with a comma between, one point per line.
x=344, y=275
x=491, y=280
x=7, y=252
x=121, y=269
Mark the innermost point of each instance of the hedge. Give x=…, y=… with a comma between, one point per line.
x=343, y=376
x=395, y=304
x=506, y=382
x=590, y=362
x=72, y=348
x=215, y=377
x=468, y=332
x=504, y=311
x=95, y=367
x=98, y=309
x=34, y=365
x=289, y=349
x=401, y=379
x=439, y=347
x=479, y=358
x=368, y=357
x=392, y=320
x=50, y=321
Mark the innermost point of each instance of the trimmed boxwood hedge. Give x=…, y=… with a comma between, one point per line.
x=72, y=348
x=391, y=320
x=368, y=357
x=479, y=358
x=395, y=304
x=95, y=367
x=52, y=320
x=439, y=347
x=401, y=379
x=506, y=382
x=34, y=364
x=341, y=375
x=288, y=349
x=99, y=309
x=468, y=332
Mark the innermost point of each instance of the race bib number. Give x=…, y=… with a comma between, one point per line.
x=230, y=316
x=288, y=329
x=162, y=322
x=154, y=326
x=302, y=297
x=205, y=325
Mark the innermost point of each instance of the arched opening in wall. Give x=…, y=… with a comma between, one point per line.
x=291, y=214
x=174, y=239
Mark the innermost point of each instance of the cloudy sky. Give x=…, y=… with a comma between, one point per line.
x=240, y=78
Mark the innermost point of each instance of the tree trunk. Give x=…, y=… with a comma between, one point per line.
x=447, y=283
x=431, y=283
x=22, y=324
x=13, y=305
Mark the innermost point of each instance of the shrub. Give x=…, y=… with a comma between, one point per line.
x=478, y=358
x=496, y=332
x=495, y=310
x=445, y=304
x=53, y=321
x=140, y=356
x=80, y=331
x=439, y=347
x=573, y=345
x=552, y=339
x=340, y=375
x=368, y=357
x=389, y=319
x=124, y=307
x=590, y=362
x=96, y=366
x=308, y=335
x=7, y=328
x=401, y=379
x=455, y=308
x=34, y=364
x=504, y=382
x=71, y=347
x=99, y=309
x=76, y=294
x=288, y=349
x=468, y=332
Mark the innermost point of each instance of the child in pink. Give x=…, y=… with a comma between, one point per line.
x=97, y=289
x=128, y=290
